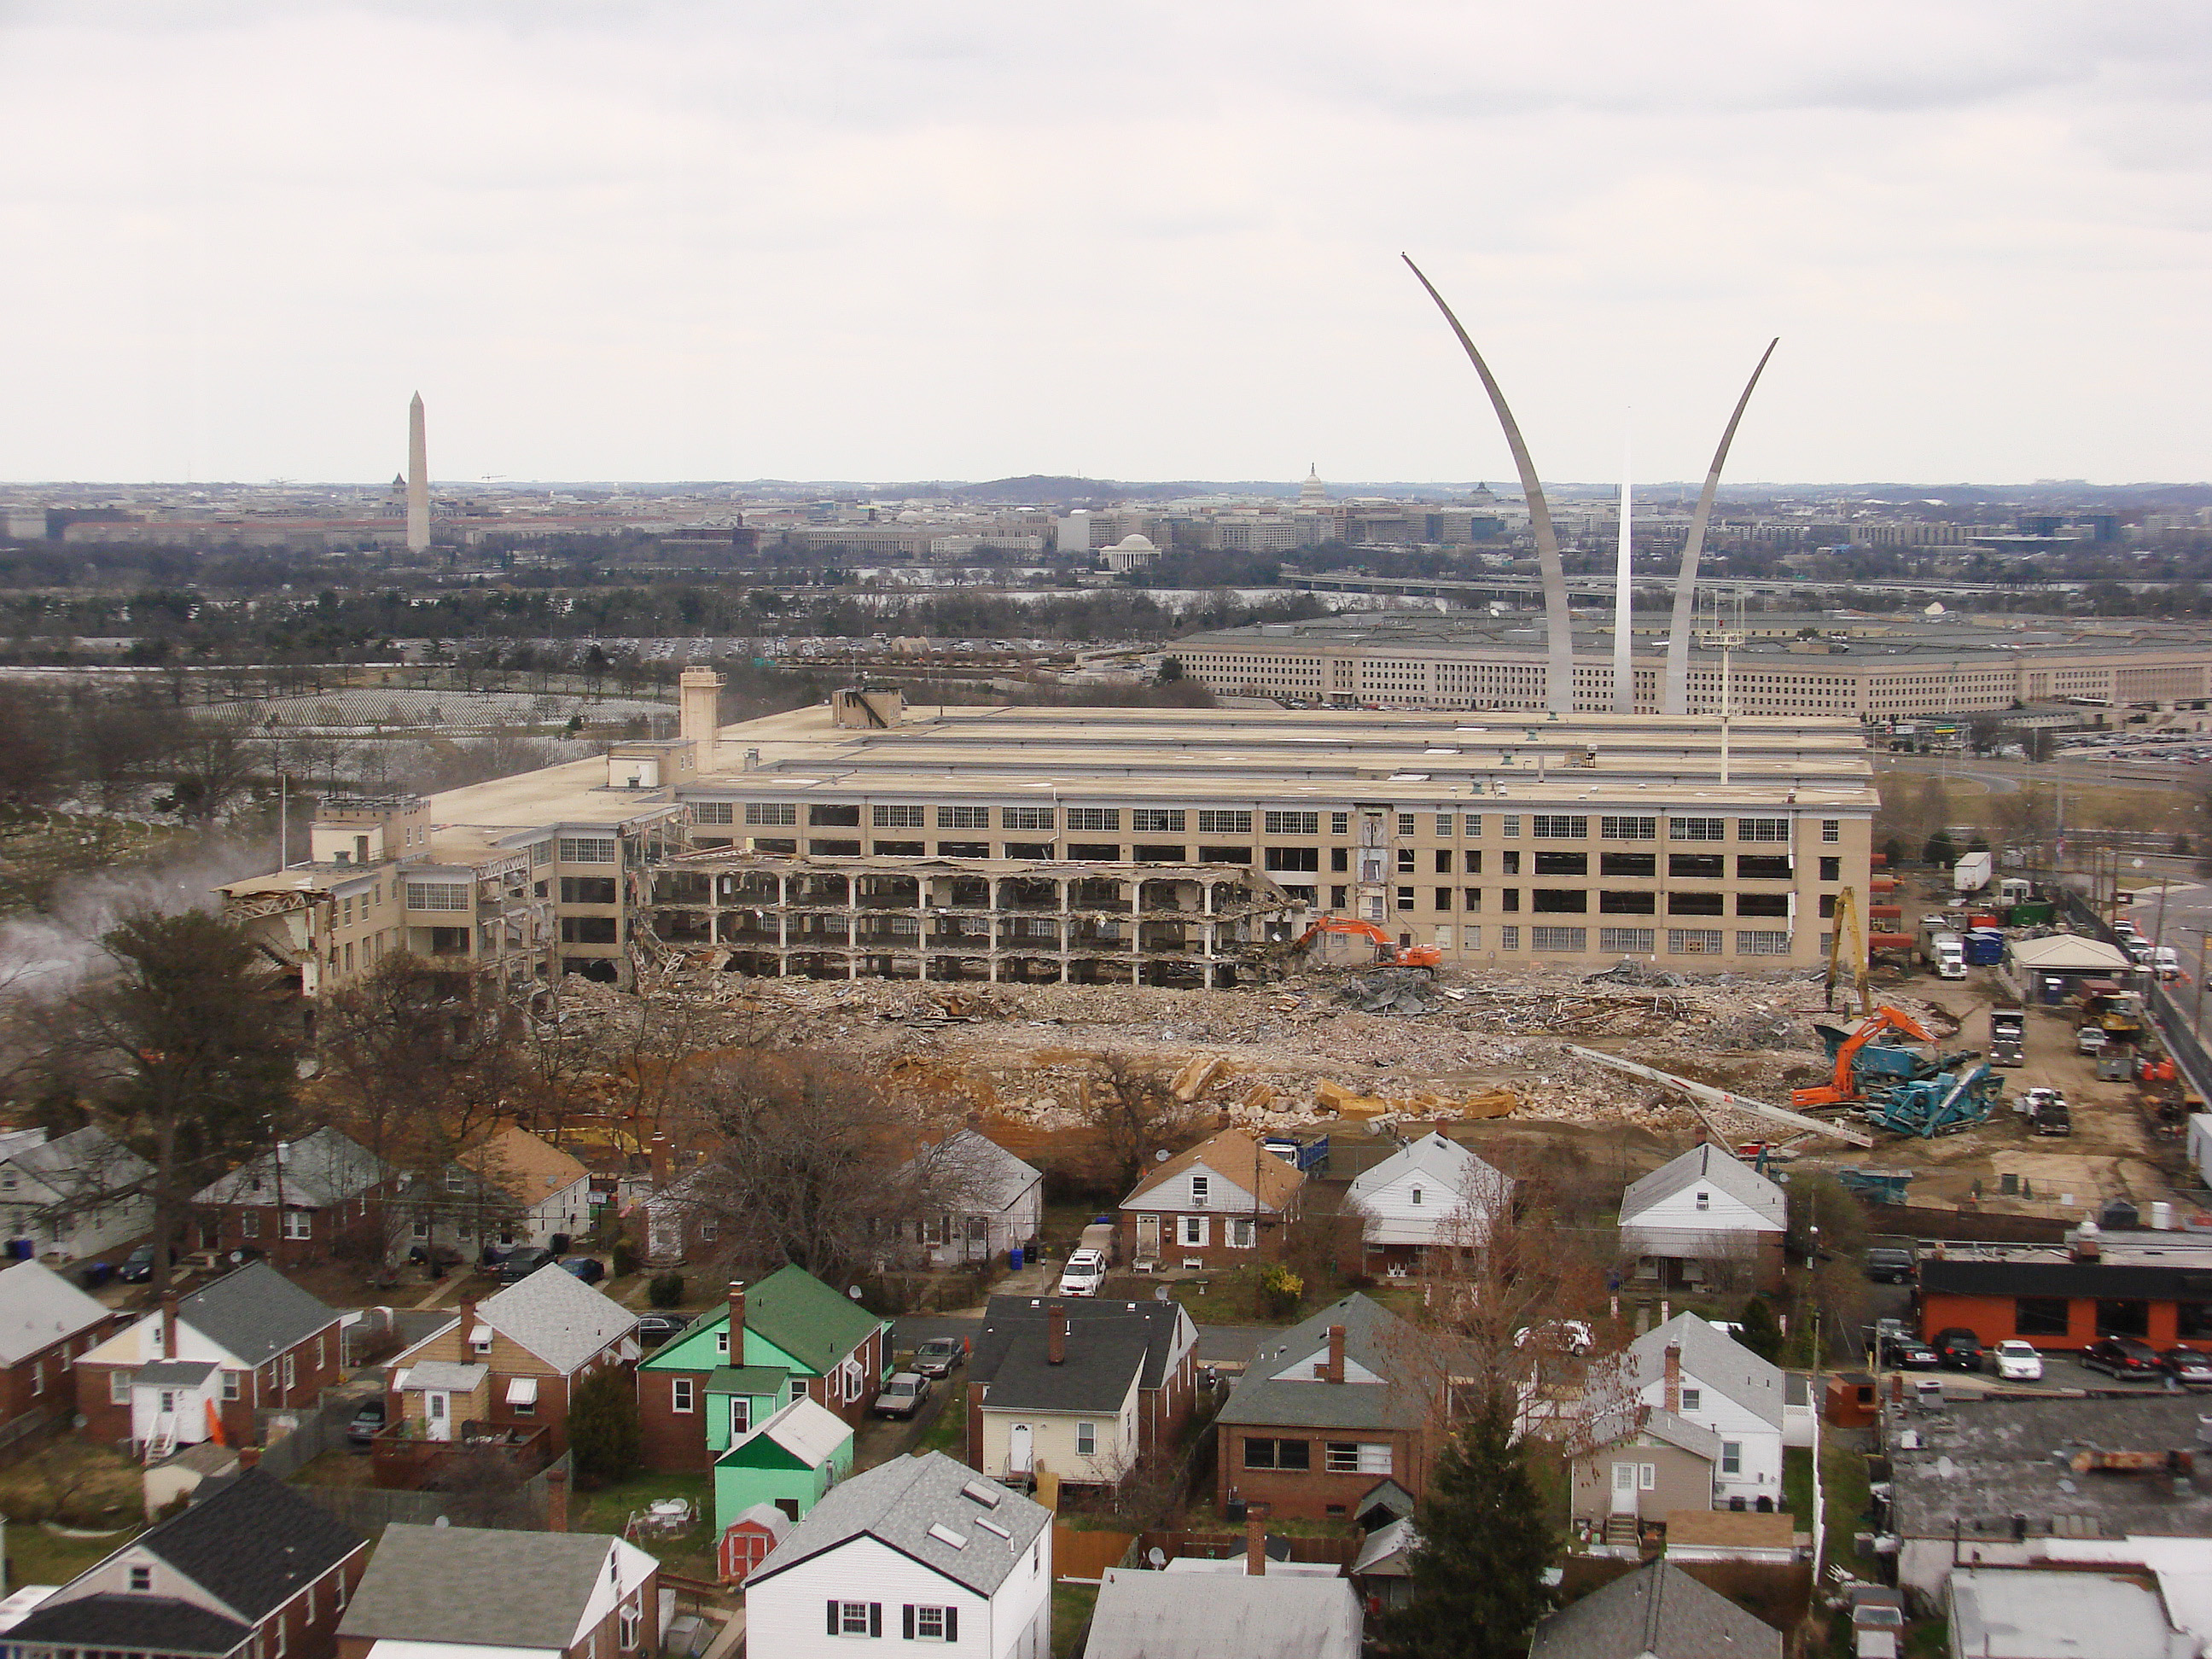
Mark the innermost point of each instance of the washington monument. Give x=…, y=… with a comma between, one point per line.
x=418, y=479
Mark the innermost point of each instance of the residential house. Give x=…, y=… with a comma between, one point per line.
x=46, y=1323
x=512, y=1361
x=1172, y=1615
x=786, y=1463
x=75, y=1196
x=919, y=1549
x=1657, y=1612
x=550, y=1191
x=1430, y=1196
x=481, y=1592
x=251, y=1341
x=1642, y=1464
x=1085, y=1386
x=296, y=1203
x=250, y=1571
x=1704, y=1221
x=1000, y=1207
x=1219, y=1204
x=788, y=1338
x=1328, y=1412
x=1691, y=1370
x=671, y=1224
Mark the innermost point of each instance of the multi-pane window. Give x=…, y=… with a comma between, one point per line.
x=1697, y=828
x=1268, y=1454
x=1443, y=824
x=1358, y=1457
x=1693, y=941
x=963, y=817
x=713, y=812
x=1225, y=823
x=899, y=818
x=1558, y=939
x=1406, y=821
x=1509, y=825
x=1832, y=830
x=768, y=812
x=1025, y=817
x=1612, y=828
x=856, y=1618
x=299, y=1223
x=1470, y=939
x=1086, y=1439
x=1731, y=1457
x=1340, y=824
x=1762, y=945
x=588, y=849
x=1762, y=829
x=438, y=895
x=1293, y=823
x=679, y=1393
x=1094, y=817
x=1559, y=826
x=1157, y=820
x=1509, y=938
x=1473, y=824
x=1633, y=940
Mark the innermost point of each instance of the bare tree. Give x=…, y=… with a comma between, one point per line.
x=1133, y=1108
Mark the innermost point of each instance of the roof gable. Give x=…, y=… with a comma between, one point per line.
x=314, y=1172
x=1167, y=1329
x=1235, y=1156
x=805, y=1319
x=1716, y=1361
x=990, y=1177
x=476, y=1585
x=1279, y=1388
x=40, y=1308
x=528, y=1169
x=84, y=1160
x=253, y=1545
x=906, y=1504
x=1449, y=1164
x=254, y=1314
x=557, y=1316
x=1707, y=1165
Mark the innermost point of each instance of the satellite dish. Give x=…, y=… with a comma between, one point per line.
x=236, y=1257
x=442, y=1521
x=1161, y=1156
x=1157, y=1556
x=1160, y=1293
x=852, y=1291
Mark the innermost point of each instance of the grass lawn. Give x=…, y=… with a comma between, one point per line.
x=946, y=1430
x=1070, y=1617
x=1843, y=1485
x=1230, y=1296
x=1929, y=1639
x=1797, y=1485
x=36, y=1555
x=607, y=1510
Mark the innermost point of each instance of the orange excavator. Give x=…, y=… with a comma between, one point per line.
x=1843, y=1084
x=1387, y=951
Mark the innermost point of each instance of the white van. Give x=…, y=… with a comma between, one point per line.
x=1084, y=1272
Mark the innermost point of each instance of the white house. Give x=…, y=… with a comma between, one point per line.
x=1703, y=1218
x=919, y=1549
x=72, y=1196
x=1429, y=1194
x=1703, y=1376
x=1002, y=1200
x=551, y=1191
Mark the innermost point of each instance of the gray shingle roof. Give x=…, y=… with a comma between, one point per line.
x=84, y=1160
x=1102, y=1357
x=253, y=1545
x=316, y=1172
x=1660, y=1424
x=130, y=1623
x=255, y=1313
x=1707, y=1165
x=1657, y=1612
x=1165, y=1615
x=1162, y=1322
x=38, y=1308
x=557, y=1316
x=898, y=1503
x=1446, y=1162
x=990, y=1177
x=1375, y=1340
x=1718, y=1361
x=476, y=1585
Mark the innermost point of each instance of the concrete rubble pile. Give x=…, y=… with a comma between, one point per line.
x=1323, y=1049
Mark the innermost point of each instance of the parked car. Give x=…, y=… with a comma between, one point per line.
x=589, y=1268
x=2165, y=962
x=1887, y=1265
x=519, y=1265
x=2089, y=1040
x=1084, y=1272
x=365, y=1422
x=655, y=1328
x=1895, y=1345
x=138, y=1267
x=940, y=1356
x=1957, y=1348
x=2186, y=1365
x=903, y=1397
x=2123, y=1357
x=2016, y=1361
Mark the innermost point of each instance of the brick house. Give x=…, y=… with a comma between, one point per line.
x=251, y=1341
x=476, y=1590
x=1225, y=1201
x=789, y=1337
x=1043, y=1369
x=294, y=1203
x=1328, y=1412
x=252, y=1569
x=46, y=1323
x=512, y=1360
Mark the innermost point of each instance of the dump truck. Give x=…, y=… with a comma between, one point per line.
x=2007, y=1037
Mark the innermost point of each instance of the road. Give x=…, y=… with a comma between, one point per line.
x=2006, y=775
x=1217, y=1345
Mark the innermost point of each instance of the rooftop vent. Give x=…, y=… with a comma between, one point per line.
x=945, y=1535
x=983, y=1492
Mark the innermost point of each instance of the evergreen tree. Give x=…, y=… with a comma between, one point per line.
x=605, y=1436
x=1477, y=1585
x=1762, y=1332
x=1940, y=851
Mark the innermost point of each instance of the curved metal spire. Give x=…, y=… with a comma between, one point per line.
x=1675, y=699
x=1558, y=635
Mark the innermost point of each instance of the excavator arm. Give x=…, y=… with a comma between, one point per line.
x=1842, y=1081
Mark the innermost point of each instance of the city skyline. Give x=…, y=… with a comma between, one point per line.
x=680, y=242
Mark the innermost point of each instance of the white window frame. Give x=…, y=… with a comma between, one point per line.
x=299, y=1223
x=1194, y=1231
x=1694, y=1400
x=741, y=1418
x=1086, y=1439
x=1731, y=1457
x=683, y=1396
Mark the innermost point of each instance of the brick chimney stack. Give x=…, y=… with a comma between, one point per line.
x=557, y=1500
x=657, y=1150
x=169, y=1325
x=1332, y=1370
x=1673, y=1399
x=736, y=1322
x=1255, y=1546
x=468, y=1328
x=1055, y=1334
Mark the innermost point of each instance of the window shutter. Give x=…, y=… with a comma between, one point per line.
x=952, y=1624
x=906, y=1622
x=875, y=1618
x=833, y=1617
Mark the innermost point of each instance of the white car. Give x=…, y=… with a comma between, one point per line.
x=1084, y=1272
x=2016, y=1361
x=2165, y=962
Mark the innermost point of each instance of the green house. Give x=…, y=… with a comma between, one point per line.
x=787, y=1463
x=796, y=1339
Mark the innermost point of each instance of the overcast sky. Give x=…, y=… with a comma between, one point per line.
x=956, y=239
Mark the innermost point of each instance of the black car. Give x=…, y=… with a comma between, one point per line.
x=1958, y=1348
x=2123, y=1355
x=519, y=1265
x=589, y=1268
x=655, y=1328
x=1907, y=1352
x=365, y=1422
x=1886, y=1266
x=138, y=1267
x=2188, y=1366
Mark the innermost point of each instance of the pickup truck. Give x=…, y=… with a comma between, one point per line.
x=2089, y=1040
